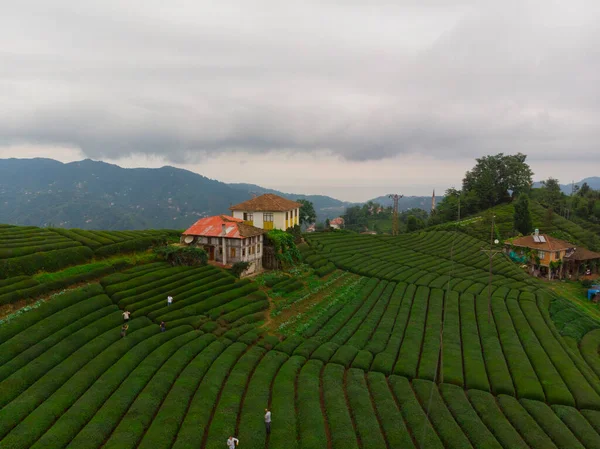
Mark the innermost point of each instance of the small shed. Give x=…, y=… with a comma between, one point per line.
x=578, y=257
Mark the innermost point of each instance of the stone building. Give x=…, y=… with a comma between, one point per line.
x=227, y=240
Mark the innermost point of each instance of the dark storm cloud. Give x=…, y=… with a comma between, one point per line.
x=366, y=80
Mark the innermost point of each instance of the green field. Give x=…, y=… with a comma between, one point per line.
x=345, y=349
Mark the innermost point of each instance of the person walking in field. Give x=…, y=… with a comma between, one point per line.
x=232, y=443
x=169, y=300
x=163, y=326
x=268, y=421
x=126, y=316
x=124, y=329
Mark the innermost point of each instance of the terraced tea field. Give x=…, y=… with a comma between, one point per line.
x=354, y=358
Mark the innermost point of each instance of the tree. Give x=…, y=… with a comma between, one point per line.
x=327, y=223
x=413, y=223
x=494, y=178
x=550, y=194
x=307, y=212
x=522, y=219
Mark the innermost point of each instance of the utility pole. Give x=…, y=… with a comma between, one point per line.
x=491, y=253
x=395, y=224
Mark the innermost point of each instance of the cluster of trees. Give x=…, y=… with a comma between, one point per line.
x=584, y=203
x=494, y=180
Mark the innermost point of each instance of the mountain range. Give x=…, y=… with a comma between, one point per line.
x=96, y=195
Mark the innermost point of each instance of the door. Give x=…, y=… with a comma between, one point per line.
x=211, y=253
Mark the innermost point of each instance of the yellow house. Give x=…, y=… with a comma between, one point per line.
x=268, y=211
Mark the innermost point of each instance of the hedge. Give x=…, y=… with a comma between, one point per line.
x=197, y=418
x=363, y=360
x=413, y=414
x=141, y=244
x=527, y=427
x=78, y=238
x=410, y=351
x=325, y=351
x=234, y=334
x=289, y=344
x=35, y=350
x=447, y=429
x=251, y=429
x=396, y=433
x=227, y=410
x=475, y=371
x=467, y=418
x=343, y=356
x=500, y=378
x=58, y=303
x=430, y=352
x=251, y=336
x=382, y=334
x=66, y=357
x=48, y=382
x=132, y=273
x=198, y=294
x=589, y=349
x=147, y=282
x=337, y=321
x=325, y=270
x=368, y=428
x=308, y=347
x=551, y=424
x=367, y=319
x=585, y=396
x=384, y=362
x=43, y=417
x=171, y=285
x=577, y=424
x=7, y=253
x=58, y=284
x=254, y=318
x=140, y=414
x=284, y=430
x=108, y=415
x=526, y=381
x=163, y=429
x=310, y=421
x=23, y=282
x=46, y=261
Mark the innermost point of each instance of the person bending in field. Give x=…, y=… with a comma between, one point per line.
x=163, y=326
x=232, y=442
x=268, y=420
x=124, y=329
x=169, y=300
x=126, y=315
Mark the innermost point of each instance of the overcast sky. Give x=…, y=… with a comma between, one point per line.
x=348, y=98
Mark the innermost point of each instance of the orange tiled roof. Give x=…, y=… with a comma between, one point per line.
x=268, y=202
x=551, y=243
x=213, y=227
x=337, y=221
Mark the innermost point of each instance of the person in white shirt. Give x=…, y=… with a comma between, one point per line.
x=169, y=300
x=126, y=315
x=268, y=420
x=232, y=442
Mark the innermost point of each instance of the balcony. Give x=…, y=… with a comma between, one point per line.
x=268, y=225
x=249, y=222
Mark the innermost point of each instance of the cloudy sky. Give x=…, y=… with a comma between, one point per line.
x=348, y=98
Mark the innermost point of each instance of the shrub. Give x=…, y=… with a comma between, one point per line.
x=238, y=268
x=343, y=356
x=163, y=430
x=46, y=261
x=141, y=244
x=576, y=423
x=367, y=426
x=308, y=347
x=343, y=434
x=382, y=334
x=288, y=345
x=363, y=360
x=325, y=351
x=488, y=410
x=311, y=422
x=47, y=309
x=397, y=435
x=467, y=418
x=197, y=418
x=107, y=417
x=551, y=424
x=325, y=269
x=182, y=255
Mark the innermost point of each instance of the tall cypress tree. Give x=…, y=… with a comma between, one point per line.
x=523, y=221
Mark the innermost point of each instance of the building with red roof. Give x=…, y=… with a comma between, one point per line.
x=337, y=223
x=268, y=211
x=227, y=240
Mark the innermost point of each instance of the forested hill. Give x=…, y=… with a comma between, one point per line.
x=96, y=195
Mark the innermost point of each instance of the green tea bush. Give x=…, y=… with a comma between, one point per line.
x=577, y=424
x=343, y=434
x=551, y=424
x=311, y=422
x=382, y=334
x=288, y=345
x=46, y=261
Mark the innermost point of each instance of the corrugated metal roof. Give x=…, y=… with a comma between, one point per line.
x=213, y=227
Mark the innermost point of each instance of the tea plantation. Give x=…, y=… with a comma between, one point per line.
x=374, y=342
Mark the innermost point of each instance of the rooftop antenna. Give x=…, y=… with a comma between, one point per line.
x=395, y=197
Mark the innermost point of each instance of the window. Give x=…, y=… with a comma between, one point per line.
x=268, y=217
x=220, y=250
x=248, y=216
x=232, y=252
x=243, y=252
x=541, y=255
x=557, y=255
x=286, y=215
x=258, y=248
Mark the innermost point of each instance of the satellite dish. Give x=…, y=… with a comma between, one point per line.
x=188, y=239
x=496, y=241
